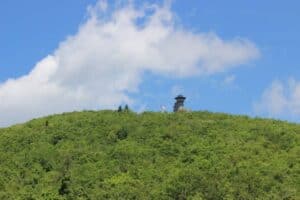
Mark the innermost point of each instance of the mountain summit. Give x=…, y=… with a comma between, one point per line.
x=123, y=155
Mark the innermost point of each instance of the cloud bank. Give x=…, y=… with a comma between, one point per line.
x=280, y=99
x=105, y=61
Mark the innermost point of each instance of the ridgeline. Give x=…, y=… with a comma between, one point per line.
x=124, y=155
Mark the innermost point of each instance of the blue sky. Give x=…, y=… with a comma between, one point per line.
x=266, y=84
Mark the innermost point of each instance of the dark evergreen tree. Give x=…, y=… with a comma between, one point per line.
x=120, y=109
x=126, y=109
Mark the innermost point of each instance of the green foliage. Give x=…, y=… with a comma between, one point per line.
x=184, y=155
x=122, y=134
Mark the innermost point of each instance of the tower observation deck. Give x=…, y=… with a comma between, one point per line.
x=179, y=104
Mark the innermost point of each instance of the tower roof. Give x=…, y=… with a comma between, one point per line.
x=180, y=97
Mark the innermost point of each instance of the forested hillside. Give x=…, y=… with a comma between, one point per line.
x=124, y=155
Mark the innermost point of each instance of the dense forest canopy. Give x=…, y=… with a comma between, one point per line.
x=124, y=155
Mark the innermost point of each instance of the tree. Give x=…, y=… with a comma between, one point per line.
x=120, y=109
x=126, y=109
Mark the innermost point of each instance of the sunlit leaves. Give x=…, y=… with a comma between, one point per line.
x=112, y=155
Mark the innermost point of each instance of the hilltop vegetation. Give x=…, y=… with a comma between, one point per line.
x=111, y=155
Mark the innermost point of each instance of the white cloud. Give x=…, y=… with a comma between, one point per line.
x=229, y=80
x=105, y=59
x=280, y=99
